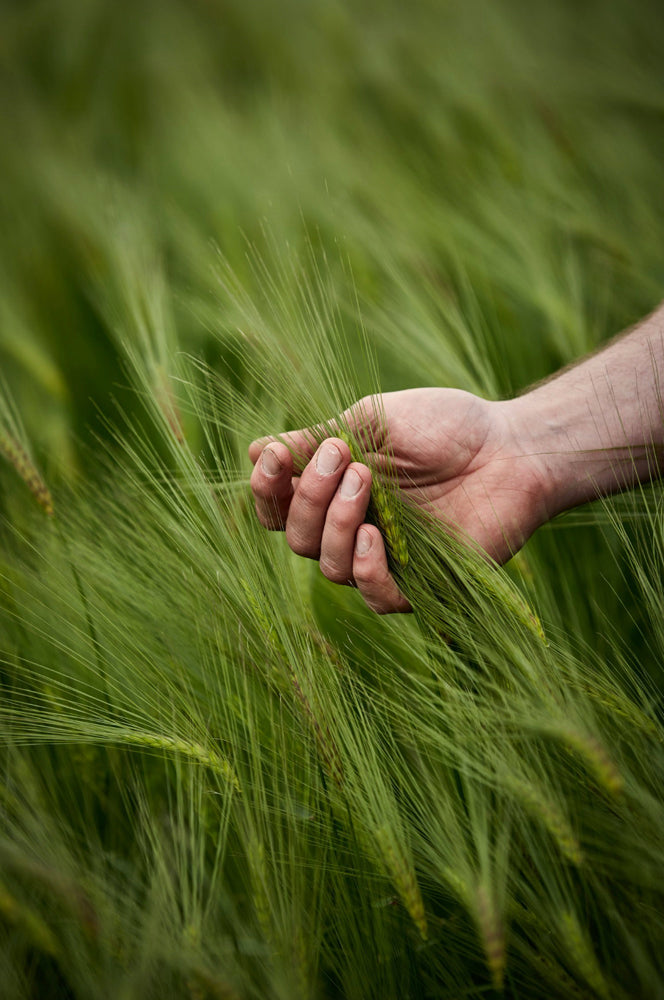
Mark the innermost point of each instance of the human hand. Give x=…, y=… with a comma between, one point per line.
x=461, y=457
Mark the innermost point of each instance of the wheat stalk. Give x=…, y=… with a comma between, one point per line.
x=327, y=748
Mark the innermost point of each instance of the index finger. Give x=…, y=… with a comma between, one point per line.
x=362, y=419
x=301, y=444
x=272, y=485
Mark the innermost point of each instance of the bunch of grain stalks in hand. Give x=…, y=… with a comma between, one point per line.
x=225, y=778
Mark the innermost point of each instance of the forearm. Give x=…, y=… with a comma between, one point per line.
x=598, y=428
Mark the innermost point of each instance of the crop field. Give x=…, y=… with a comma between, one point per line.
x=223, y=776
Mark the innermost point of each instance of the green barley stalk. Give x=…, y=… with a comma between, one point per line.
x=492, y=934
x=477, y=900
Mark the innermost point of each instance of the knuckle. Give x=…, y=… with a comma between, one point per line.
x=381, y=610
x=270, y=519
x=261, y=491
x=300, y=544
x=374, y=576
x=364, y=408
x=333, y=572
x=307, y=496
x=363, y=576
x=386, y=600
x=342, y=447
x=260, y=486
x=376, y=605
x=339, y=519
x=262, y=518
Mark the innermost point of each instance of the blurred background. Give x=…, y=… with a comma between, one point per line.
x=490, y=175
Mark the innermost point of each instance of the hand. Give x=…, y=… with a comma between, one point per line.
x=460, y=456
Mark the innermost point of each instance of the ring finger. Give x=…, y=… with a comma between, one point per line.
x=316, y=488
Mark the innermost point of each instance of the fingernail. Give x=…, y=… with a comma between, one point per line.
x=351, y=484
x=328, y=459
x=363, y=542
x=270, y=463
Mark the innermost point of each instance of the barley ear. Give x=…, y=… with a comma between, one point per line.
x=582, y=954
x=194, y=751
x=546, y=812
x=596, y=758
x=405, y=880
x=492, y=934
x=383, y=509
x=16, y=455
x=479, y=903
x=258, y=878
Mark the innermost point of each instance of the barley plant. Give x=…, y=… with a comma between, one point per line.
x=223, y=777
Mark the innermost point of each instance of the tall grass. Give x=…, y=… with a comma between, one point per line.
x=222, y=775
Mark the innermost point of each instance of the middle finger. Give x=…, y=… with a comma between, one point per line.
x=315, y=489
x=344, y=516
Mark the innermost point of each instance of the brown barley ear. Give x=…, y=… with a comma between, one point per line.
x=16, y=455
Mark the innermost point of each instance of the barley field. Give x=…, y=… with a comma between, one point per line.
x=224, y=777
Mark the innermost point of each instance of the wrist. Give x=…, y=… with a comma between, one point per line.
x=548, y=435
x=530, y=467
x=578, y=451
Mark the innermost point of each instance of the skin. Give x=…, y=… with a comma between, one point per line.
x=494, y=470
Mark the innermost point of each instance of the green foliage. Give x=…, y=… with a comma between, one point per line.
x=222, y=776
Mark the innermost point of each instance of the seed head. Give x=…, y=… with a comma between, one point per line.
x=17, y=456
x=404, y=878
